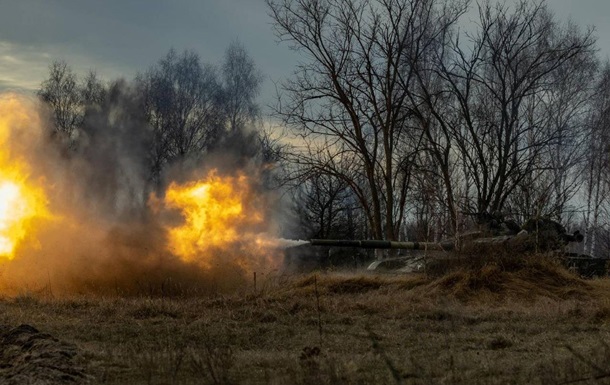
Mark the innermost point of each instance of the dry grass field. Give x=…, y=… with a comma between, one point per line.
x=525, y=323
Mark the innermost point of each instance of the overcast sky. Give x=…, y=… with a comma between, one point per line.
x=122, y=37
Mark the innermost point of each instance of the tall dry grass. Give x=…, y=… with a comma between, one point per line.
x=494, y=321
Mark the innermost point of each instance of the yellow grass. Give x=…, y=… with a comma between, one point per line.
x=491, y=323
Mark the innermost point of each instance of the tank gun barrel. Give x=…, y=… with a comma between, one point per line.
x=379, y=244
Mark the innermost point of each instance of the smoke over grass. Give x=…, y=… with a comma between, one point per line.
x=108, y=226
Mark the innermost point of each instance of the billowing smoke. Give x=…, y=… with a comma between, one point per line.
x=109, y=224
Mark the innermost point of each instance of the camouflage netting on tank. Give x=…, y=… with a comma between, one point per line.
x=28, y=356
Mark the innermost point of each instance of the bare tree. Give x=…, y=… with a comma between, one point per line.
x=430, y=216
x=564, y=107
x=597, y=170
x=491, y=110
x=61, y=92
x=181, y=99
x=350, y=98
x=92, y=91
x=323, y=203
x=68, y=99
x=241, y=85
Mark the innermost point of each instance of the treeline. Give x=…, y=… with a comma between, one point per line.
x=418, y=115
x=405, y=119
x=180, y=109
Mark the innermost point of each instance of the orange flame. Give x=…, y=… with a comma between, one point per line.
x=217, y=213
x=219, y=216
x=21, y=200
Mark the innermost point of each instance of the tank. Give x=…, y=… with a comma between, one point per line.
x=541, y=235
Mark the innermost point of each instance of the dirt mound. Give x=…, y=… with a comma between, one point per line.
x=355, y=285
x=524, y=277
x=28, y=356
x=345, y=283
x=483, y=278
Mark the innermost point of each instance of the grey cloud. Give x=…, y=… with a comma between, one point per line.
x=122, y=37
